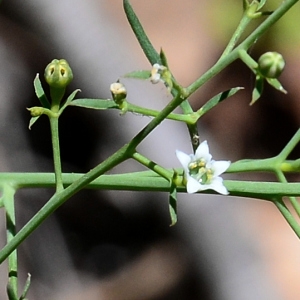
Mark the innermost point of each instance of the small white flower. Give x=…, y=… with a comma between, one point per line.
x=156, y=72
x=201, y=171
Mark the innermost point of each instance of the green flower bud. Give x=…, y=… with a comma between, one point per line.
x=118, y=92
x=271, y=64
x=36, y=111
x=58, y=73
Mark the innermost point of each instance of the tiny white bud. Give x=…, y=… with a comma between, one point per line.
x=156, y=72
x=118, y=92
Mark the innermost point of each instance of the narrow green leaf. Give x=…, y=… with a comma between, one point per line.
x=245, y=4
x=94, y=103
x=68, y=101
x=143, y=74
x=32, y=121
x=140, y=34
x=173, y=204
x=276, y=84
x=211, y=103
x=26, y=287
x=163, y=58
x=258, y=89
x=261, y=4
x=39, y=91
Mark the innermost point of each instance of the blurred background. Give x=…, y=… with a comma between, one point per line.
x=118, y=245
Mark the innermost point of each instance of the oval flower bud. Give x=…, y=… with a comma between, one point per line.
x=36, y=111
x=271, y=64
x=118, y=92
x=58, y=73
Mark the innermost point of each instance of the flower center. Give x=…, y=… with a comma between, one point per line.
x=198, y=171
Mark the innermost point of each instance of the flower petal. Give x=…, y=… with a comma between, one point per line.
x=155, y=78
x=184, y=159
x=218, y=186
x=193, y=185
x=220, y=166
x=203, y=152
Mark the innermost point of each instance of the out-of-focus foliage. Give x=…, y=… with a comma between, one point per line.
x=283, y=36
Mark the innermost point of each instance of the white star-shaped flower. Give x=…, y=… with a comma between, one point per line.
x=201, y=171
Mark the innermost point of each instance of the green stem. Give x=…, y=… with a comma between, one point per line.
x=8, y=197
x=153, y=166
x=143, y=181
x=246, y=44
x=274, y=164
x=248, y=60
x=56, y=153
x=289, y=166
x=59, y=198
x=57, y=95
x=293, y=200
x=237, y=34
x=287, y=215
x=151, y=182
x=267, y=23
x=153, y=58
x=253, y=165
x=177, y=100
x=187, y=118
x=265, y=165
x=290, y=146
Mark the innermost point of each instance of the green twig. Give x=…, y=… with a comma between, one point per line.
x=293, y=200
x=59, y=198
x=153, y=58
x=253, y=165
x=142, y=181
x=237, y=34
x=245, y=45
x=56, y=153
x=187, y=118
x=167, y=174
x=8, y=198
x=287, y=215
x=290, y=146
x=248, y=60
